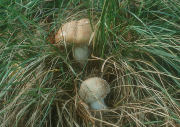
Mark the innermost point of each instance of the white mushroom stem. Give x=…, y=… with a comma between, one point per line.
x=98, y=105
x=81, y=53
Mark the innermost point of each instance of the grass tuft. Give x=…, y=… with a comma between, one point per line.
x=136, y=50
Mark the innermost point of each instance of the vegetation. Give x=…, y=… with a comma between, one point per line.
x=136, y=50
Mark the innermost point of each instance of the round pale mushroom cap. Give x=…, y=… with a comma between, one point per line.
x=78, y=32
x=93, y=89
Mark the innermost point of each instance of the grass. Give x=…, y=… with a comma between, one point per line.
x=136, y=50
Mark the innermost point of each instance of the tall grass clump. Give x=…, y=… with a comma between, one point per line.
x=136, y=49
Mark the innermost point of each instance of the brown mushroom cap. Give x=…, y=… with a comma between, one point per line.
x=78, y=32
x=93, y=89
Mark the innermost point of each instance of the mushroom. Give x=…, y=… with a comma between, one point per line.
x=79, y=33
x=93, y=91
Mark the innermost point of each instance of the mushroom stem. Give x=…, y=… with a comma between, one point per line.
x=98, y=105
x=81, y=53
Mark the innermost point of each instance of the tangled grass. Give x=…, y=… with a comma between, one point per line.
x=136, y=50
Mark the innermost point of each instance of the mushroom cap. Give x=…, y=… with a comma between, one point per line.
x=78, y=32
x=93, y=89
